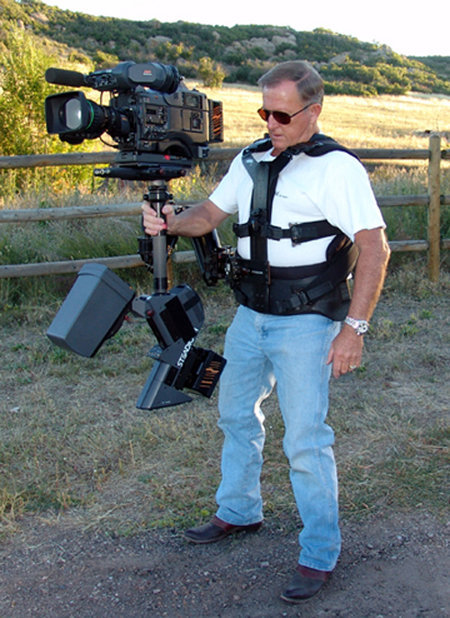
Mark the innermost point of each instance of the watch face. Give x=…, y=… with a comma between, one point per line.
x=360, y=326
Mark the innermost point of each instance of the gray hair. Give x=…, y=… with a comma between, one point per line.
x=308, y=81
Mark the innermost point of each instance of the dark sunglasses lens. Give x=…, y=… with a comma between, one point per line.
x=264, y=114
x=282, y=117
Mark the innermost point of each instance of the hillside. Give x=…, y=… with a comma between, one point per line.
x=239, y=54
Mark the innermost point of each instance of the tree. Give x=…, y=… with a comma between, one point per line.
x=23, y=89
x=211, y=73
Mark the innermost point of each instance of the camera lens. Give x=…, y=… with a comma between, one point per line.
x=72, y=114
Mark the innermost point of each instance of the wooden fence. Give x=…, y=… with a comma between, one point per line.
x=433, y=200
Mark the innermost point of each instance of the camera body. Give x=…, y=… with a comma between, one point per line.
x=152, y=116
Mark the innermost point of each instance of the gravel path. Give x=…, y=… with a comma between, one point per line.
x=396, y=567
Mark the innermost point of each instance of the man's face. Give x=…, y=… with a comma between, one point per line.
x=284, y=97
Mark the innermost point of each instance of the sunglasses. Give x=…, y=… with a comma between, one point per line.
x=280, y=117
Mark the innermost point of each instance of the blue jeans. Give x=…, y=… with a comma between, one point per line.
x=289, y=351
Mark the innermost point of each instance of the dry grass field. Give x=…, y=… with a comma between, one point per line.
x=358, y=122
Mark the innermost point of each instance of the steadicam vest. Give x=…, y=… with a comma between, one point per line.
x=318, y=288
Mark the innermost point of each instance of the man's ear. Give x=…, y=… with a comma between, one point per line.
x=316, y=109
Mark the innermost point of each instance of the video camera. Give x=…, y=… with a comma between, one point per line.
x=152, y=117
x=159, y=126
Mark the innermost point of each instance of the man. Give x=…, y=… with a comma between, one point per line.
x=293, y=296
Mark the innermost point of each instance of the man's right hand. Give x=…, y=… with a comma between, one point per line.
x=193, y=221
x=153, y=224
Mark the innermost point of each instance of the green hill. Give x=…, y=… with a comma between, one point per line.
x=238, y=54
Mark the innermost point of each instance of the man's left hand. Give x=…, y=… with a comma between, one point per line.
x=345, y=352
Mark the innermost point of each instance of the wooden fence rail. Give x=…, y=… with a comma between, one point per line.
x=433, y=199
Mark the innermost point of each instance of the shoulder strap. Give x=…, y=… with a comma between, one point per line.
x=319, y=145
x=264, y=175
x=260, y=145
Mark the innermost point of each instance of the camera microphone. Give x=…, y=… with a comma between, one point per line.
x=65, y=77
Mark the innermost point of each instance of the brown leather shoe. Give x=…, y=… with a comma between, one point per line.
x=217, y=530
x=304, y=584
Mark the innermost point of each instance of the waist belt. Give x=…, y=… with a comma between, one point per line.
x=318, y=288
x=258, y=289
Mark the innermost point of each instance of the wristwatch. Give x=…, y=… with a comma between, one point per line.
x=360, y=326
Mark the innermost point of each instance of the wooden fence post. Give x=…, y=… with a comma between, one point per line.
x=434, y=209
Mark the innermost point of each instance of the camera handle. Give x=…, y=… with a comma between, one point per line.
x=154, y=248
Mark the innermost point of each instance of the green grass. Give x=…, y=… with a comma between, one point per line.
x=413, y=475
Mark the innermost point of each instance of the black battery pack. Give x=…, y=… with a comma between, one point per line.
x=93, y=310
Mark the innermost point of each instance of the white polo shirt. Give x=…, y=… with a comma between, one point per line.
x=334, y=186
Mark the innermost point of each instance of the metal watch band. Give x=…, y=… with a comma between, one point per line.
x=360, y=326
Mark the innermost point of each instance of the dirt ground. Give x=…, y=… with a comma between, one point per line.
x=395, y=566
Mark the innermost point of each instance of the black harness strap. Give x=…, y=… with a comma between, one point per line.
x=258, y=211
x=298, y=233
x=264, y=176
x=320, y=144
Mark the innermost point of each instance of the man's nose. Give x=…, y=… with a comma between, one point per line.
x=271, y=122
